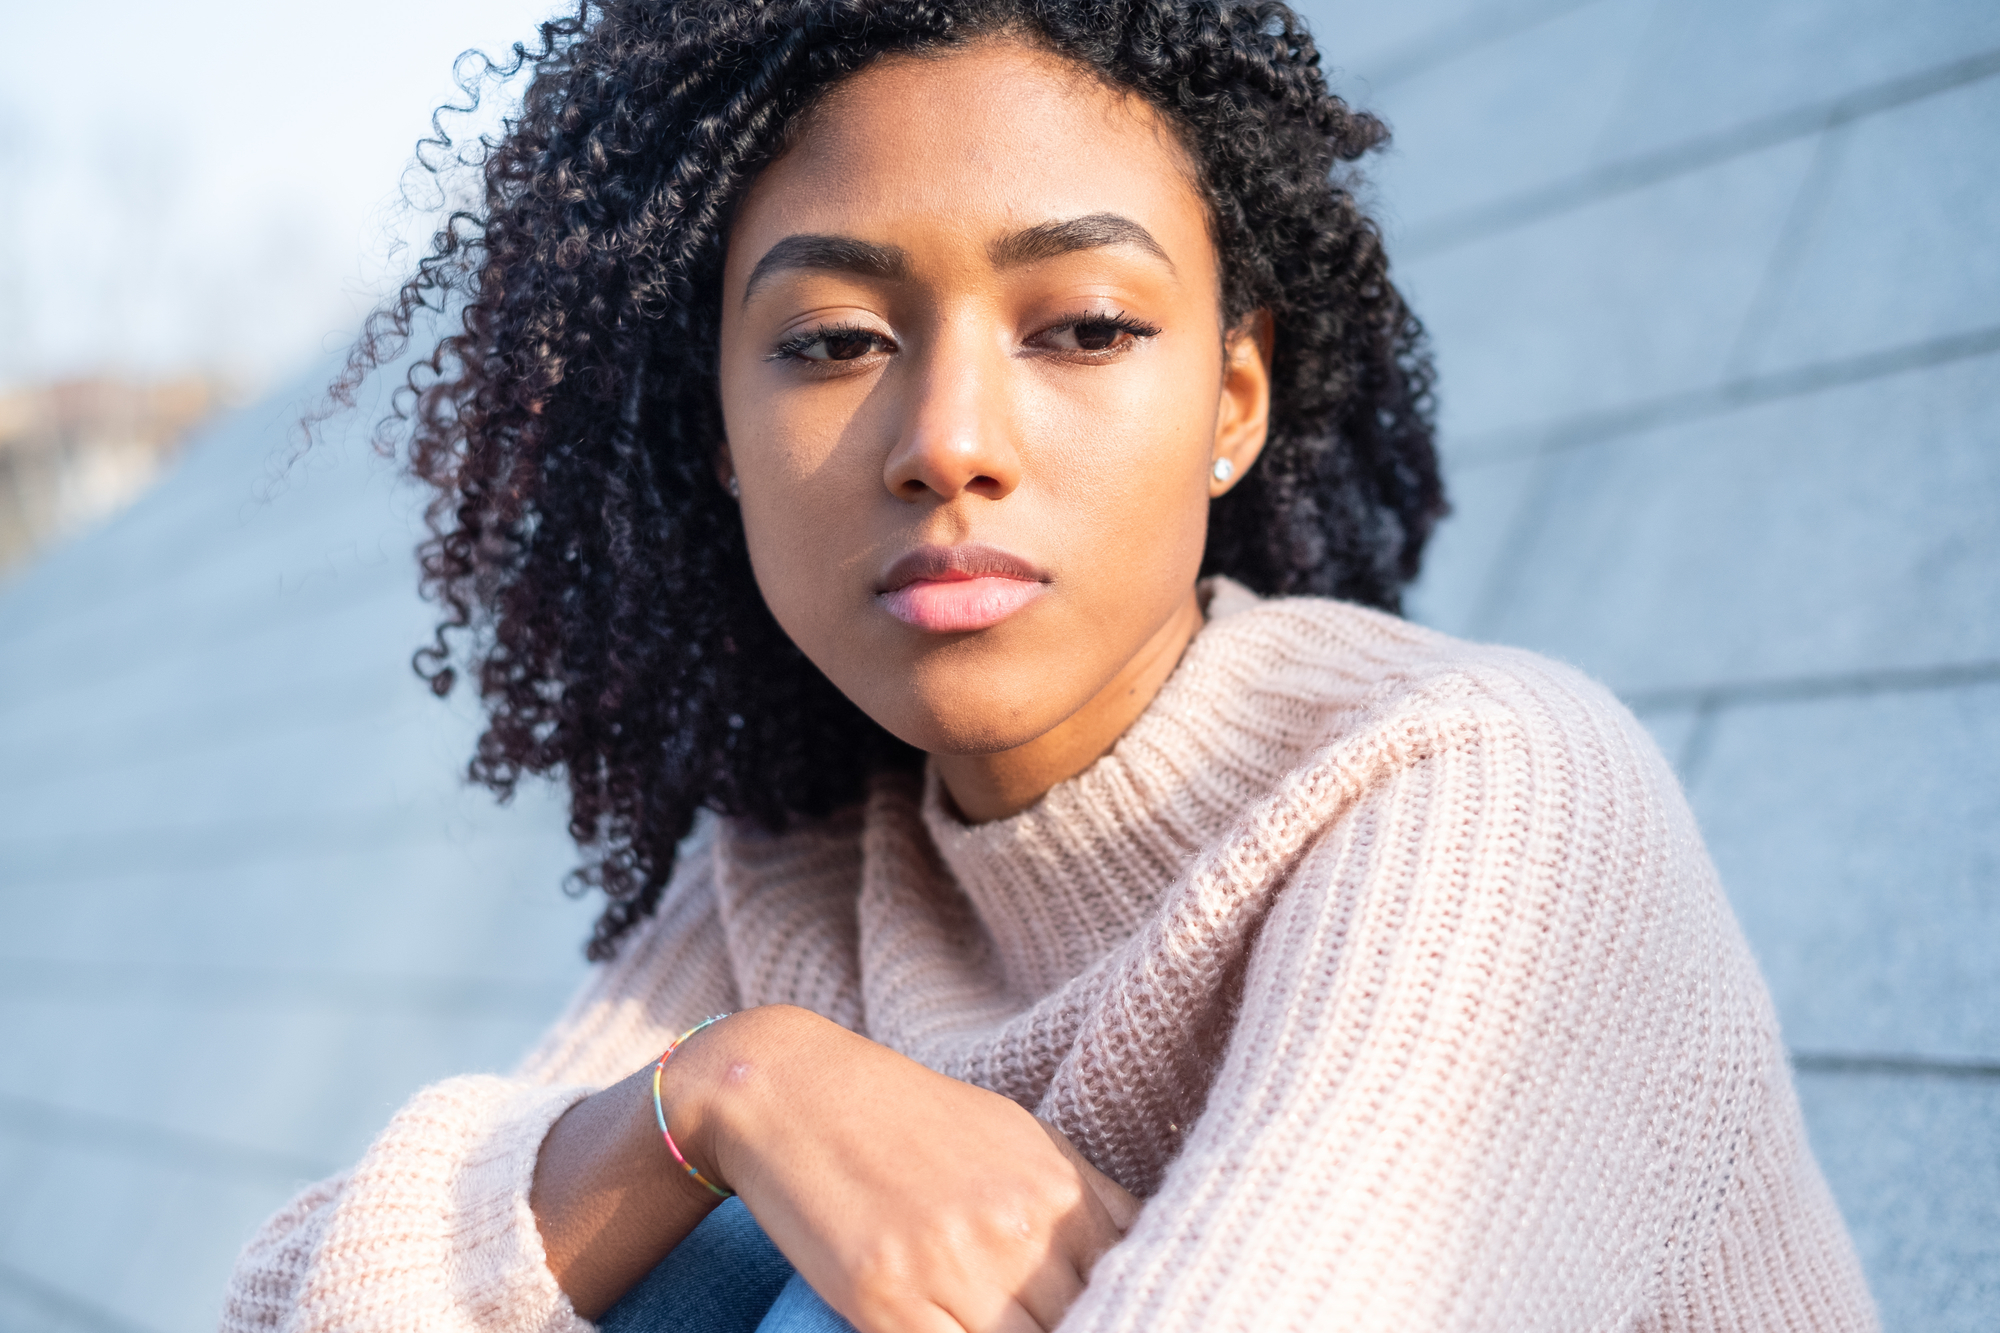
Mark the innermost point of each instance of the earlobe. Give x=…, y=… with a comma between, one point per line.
x=1243, y=415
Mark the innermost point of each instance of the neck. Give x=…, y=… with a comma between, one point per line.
x=994, y=786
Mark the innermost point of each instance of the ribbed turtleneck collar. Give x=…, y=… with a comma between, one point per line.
x=1075, y=874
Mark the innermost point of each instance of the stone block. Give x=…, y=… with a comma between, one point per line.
x=230, y=478
x=1627, y=299
x=265, y=1074
x=447, y=889
x=1354, y=38
x=28, y=1302
x=1845, y=531
x=1713, y=66
x=1915, y=1164
x=74, y=1227
x=1498, y=117
x=258, y=579
x=1473, y=542
x=282, y=764
x=1859, y=839
x=1899, y=238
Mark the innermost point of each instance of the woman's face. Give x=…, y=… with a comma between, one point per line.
x=975, y=383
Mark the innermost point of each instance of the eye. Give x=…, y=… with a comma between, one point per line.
x=823, y=345
x=1095, y=335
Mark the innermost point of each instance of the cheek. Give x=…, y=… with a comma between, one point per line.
x=1127, y=457
x=809, y=473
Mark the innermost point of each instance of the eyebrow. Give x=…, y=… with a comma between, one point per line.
x=1031, y=245
x=1094, y=232
x=832, y=254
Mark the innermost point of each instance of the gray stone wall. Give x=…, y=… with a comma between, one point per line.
x=246, y=907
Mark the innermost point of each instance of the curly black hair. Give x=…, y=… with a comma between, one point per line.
x=570, y=419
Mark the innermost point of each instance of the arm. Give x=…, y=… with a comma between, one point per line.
x=1497, y=1057
x=489, y=1203
x=911, y=1201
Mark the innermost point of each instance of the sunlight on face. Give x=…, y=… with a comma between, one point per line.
x=974, y=380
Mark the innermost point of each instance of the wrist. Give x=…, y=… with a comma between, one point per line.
x=682, y=1085
x=713, y=1085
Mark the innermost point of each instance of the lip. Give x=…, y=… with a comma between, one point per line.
x=959, y=589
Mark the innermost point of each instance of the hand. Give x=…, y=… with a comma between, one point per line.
x=912, y=1202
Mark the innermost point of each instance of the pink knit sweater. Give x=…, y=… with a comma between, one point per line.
x=1389, y=969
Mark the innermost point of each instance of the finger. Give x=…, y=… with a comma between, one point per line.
x=1117, y=1201
x=931, y=1319
x=1099, y=1221
x=923, y=1317
x=1008, y=1316
x=1049, y=1291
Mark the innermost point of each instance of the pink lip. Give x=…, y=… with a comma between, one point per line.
x=959, y=589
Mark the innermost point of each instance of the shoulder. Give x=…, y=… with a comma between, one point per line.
x=1489, y=796
x=1460, y=782
x=1474, y=776
x=1334, y=672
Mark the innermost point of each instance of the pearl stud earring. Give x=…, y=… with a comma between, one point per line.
x=1223, y=470
x=735, y=489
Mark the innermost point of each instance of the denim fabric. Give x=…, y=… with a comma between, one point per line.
x=721, y=1279
x=726, y=1277
x=799, y=1309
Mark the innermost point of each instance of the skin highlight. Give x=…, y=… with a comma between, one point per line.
x=976, y=349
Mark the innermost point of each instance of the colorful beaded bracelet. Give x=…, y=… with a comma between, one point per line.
x=660, y=1111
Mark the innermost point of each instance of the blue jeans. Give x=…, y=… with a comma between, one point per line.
x=726, y=1277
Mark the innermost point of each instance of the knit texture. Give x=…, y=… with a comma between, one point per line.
x=1389, y=969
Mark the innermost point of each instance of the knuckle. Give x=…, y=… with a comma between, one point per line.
x=1056, y=1195
x=880, y=1270
x=883, y=1287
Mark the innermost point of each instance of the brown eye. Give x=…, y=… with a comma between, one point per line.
x=1094, y=335
x=1100, y=336
x=824, y=345
x=847, y=346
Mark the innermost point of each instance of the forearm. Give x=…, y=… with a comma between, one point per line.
x=609, y=1199
x=859, y=1163
x=431, y=1228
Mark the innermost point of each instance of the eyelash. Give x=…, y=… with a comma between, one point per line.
x=1118, y=323
x=793, y=348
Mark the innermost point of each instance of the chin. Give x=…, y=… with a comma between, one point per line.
x=962, y=721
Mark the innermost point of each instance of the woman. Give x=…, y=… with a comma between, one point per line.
x=975, y=449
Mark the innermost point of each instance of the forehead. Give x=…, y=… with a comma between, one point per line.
x=970, y=145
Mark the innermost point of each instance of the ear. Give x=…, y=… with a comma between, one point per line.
x=1243, y=415
x=725, y=468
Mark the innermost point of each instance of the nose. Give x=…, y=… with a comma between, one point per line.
x=956, y=427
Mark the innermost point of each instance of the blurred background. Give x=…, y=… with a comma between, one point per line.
x=1715, y=290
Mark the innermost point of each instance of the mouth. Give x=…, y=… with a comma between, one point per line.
x=959, y=589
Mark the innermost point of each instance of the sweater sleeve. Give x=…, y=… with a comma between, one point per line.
x=1501, y=1060
x=432, y=1229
